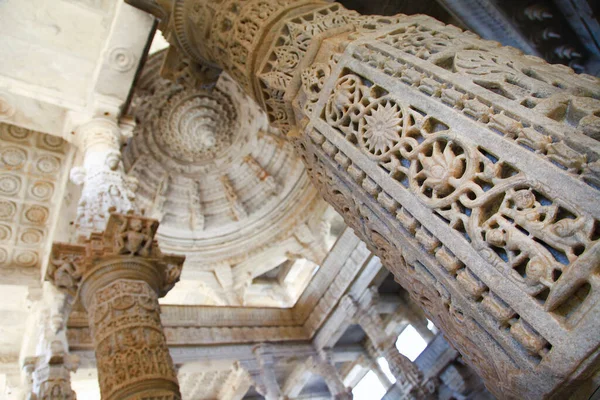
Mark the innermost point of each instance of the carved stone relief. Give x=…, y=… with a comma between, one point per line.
x=215, y=174
x=186, y=325
x=470, y=169
x=32, y=168
x=117, y=276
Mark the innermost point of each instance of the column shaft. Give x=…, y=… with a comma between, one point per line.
x=132, y=356
x=330, y=375
x=408, y=377
x=270, y=387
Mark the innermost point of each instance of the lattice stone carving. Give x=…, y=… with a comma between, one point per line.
x=31, y=168
x=472, y=170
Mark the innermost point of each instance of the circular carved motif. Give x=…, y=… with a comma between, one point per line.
x=198, y=126
x=37, y=214
x=3, y=256
x=18, y=133
x=121, y=59
x=26, y=258
x=381, y=127
x=5, y=232
x=53, y=142
x=42, y=190
x=7, y=209
x=14, y=157
x=213, y=168
x=32, y=236
x=9, y=185
x=48, y=164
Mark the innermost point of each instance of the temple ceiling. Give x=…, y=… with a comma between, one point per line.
x=228, y=191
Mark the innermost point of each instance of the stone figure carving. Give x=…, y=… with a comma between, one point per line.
x=238, y=211
x=469, y=168
x=67, y=272
x=136, y=237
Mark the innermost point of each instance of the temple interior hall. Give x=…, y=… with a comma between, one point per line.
x=299, y=199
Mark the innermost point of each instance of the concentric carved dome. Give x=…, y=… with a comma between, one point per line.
x=225, y=186
x=195, y=128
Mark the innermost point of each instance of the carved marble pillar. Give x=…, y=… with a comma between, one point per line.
x=270, y=388
x=372, y=364
x=408, y=377
x=106, y=188
x=409, y=313
x=117, y=276
x=51, y=374
x=472, y=170
x=48, y=371
x=322, y=365
x=237, y=384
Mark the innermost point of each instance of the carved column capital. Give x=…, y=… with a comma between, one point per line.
x=322, y=365
x=269, y=388
x=349, y=306
x=126, y=249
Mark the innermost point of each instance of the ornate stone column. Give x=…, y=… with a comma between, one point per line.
x=270, y=388
x=117, y=276
x=472, y=170
x=48, y=372
x=51, y=374
x=106, y=188
x=372, y=364
x=408, y=377
x=322, y=365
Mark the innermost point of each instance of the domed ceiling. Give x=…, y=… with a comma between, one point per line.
x=228, y=190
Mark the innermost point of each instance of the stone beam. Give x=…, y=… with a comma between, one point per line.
x=228, y=354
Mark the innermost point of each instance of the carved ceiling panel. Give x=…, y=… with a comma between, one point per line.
x=31, y=177
x=228, y=190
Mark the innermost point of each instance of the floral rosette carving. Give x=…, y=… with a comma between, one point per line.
x=380, y=127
